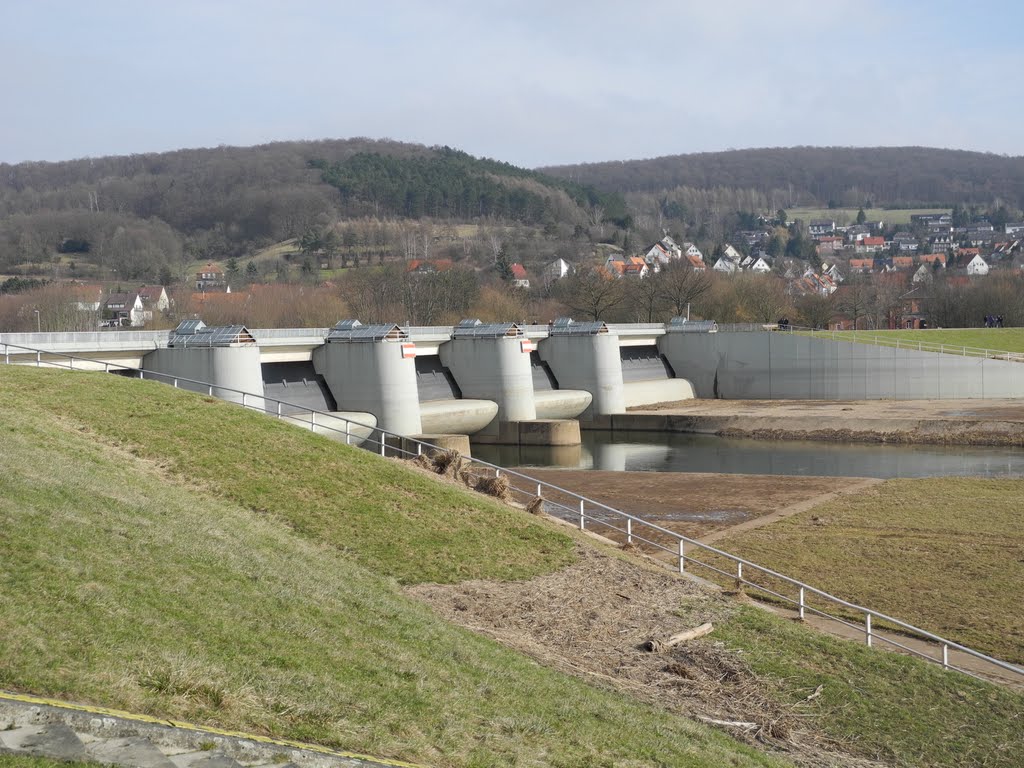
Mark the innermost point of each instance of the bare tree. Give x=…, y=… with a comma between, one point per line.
x=593, y=293
x=681, y=285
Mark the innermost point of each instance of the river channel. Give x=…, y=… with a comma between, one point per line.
x=674, y=452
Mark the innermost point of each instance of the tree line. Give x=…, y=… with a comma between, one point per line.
x=906, y=177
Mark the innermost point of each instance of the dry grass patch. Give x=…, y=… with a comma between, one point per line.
x=945, y=554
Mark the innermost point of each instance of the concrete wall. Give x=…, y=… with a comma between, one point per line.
x=590, y=363
x=234, y=367
x=787, y=367
x=372, y=377
x=493, y=369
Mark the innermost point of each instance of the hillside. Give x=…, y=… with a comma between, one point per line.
x=141, y=215
x=902, y=177
x=175, y=555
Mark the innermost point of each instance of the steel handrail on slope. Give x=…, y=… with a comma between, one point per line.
x=580, y=513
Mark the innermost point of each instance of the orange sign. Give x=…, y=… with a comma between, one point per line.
x=527, y=346
x=408, y=350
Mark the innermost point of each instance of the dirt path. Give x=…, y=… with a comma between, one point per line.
x=953, y=422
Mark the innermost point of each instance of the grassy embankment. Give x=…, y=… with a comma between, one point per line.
x=169, y=554
x=944, y=554
x=995, y=339
x=845, y=216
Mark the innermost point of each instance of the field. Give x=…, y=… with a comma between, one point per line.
x=845, y=216
x=996, y=339
x=944, y=554
x=169, y=554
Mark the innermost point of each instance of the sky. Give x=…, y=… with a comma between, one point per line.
x=530, y=82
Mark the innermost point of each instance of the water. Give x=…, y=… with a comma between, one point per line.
x=674, y=452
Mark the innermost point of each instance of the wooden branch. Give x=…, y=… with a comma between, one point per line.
x=730, y=723
x=660, y=646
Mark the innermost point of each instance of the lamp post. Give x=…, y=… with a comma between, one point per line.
x=39, y=326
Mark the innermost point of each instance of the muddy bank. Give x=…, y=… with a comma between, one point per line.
x=936, y=422
x=700, y=505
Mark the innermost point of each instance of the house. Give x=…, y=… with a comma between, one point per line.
x=154, y=299
x=863, y=266
x=832, y=270
x=905, y=243
x=870, y=245
x=519, y=277
x=1014, y=229
x=942, y=242
x=732, y=253
x=125, y=308
x=977, y=266
x=689, y=249
x=821, y=227
x=662, y=252
x=632, y=266
x=726, y=266
x=556, y=270
x=428, y=266
x=754, y=237
x=830, y=244
x=760, y=266
x=210, y=278
x=924, y=274
x=87, y=298
x=930, y=259
x=927, y=219
x=857, y=232
x=902, y=263
x=697, y=263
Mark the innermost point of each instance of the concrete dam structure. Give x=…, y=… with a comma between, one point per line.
x=499, y=383
x=508, y=384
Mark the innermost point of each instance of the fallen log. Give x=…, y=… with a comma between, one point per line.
x=660, y=646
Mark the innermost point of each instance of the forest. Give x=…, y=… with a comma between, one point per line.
x=899, y=177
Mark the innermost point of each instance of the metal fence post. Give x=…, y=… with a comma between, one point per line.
x=312, y=421
x=243, y=400
x=210, y=390
x=583, y=518
x=539, y=490
x=629, y=530
x=682, y=555
x=867, y=628
x=739, y=575
x=802, y=604
x=39, y=358
x=945, y=656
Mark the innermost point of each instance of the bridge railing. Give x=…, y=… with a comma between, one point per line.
x=683, y=553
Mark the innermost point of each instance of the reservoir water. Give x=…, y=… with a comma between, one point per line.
x=675, y=452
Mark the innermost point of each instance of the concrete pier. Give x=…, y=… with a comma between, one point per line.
x=586, y=356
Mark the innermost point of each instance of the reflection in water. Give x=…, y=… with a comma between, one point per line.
x=673, y=452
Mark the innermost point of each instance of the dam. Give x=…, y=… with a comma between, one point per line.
x=510, y=384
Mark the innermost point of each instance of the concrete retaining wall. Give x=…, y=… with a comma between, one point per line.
x=764, y=366
x=234, y=367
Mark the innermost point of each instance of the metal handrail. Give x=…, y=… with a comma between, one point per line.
x=878, y=338
x=682, y=542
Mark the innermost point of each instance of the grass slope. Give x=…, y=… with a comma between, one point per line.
x=944, y=554
x=142, y=571
x=398, y=522
x=125, y=589
x=883, y=706
x=996, y=339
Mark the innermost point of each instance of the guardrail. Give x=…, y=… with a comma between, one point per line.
x=880, y=339
x=591, y=515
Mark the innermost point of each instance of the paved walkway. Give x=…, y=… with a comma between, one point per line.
x=37, y=727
